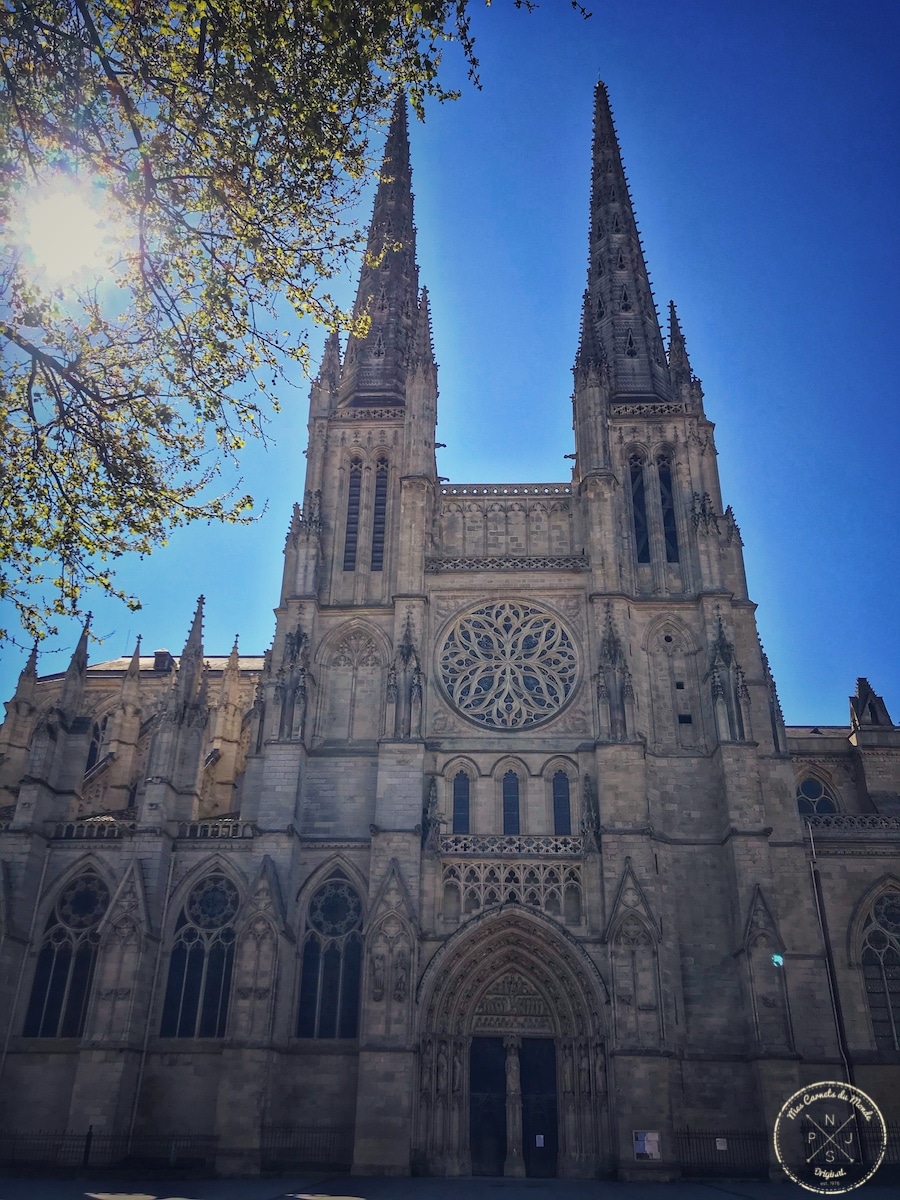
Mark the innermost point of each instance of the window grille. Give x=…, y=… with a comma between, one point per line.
x=379, y=519
x=667, y=502
x=461, y=803
x=65, y=965
x=639, y=509
x=331, y=963
x=881, y=970
x=201, y=963
x=351, y=535
x=562, y=809
x=511, y=803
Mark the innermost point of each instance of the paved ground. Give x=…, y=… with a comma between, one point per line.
x=349, y=1188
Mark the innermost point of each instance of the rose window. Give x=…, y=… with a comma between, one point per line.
x=508, y=665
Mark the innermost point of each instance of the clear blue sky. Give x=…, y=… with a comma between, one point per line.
x=761, y=145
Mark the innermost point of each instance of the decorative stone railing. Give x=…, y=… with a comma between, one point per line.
x=849, y=823
x=222, y=829
x=95, y=828
x=510, y=562
x=512, y=845
x=506, y=489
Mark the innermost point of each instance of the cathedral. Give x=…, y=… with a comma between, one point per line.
x=501, y=860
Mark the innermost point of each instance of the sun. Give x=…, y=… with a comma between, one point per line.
x=65, y=231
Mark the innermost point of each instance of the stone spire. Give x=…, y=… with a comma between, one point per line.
x=73, y=681
x=422, y=357
x=28, y=677
x=590, y=357
x=685, y=384
x=131, y=683
x=621, y=304
x=190, y=665
x=375, y=366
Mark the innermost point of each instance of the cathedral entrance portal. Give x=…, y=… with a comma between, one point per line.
x=512, y=1106
x=512, y=1060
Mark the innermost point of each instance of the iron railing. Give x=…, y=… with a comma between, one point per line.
x=97, y=1151
x=318, y=1147
x=722, y=1152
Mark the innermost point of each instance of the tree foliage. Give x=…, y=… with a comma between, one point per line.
x=227, y=139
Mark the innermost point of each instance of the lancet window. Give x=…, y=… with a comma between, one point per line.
x=202, y=961
x=331, y=962
x=667, y=504
x=881, y=969
x=351, y=533
x=379, y=518
x=511, y=803
x=562, y=808
x=98, y=736
x=639, y=508
x=65, y=966
x=461, y=787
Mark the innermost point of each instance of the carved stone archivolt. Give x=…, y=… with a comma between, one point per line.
x=514, y=975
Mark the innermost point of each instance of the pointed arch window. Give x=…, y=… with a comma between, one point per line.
x=601, y=308
x=202, y=961
x=881, y=970
x=562, y=807
x=667, y=504
x=511, y=803
x=630, y=347
x=351, y=534
x=331, y=962
x=625, y=306
x=379, y=519
x=813, y=798
x=639, y=508
x=98, y=737
x=461, y=802
x=65, y=966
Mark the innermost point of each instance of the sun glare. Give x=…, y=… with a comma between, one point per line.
x=65, y=231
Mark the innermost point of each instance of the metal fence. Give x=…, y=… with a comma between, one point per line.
x=739, y=1153
x=319, y=1147
x=101, y=1151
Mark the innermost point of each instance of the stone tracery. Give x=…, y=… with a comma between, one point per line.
x=508, y=665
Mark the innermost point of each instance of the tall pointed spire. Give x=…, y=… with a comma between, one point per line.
x=131, y=682
x=73, y=681
x=621, y=302
x=375, y=366
x=190, y=665
x=330, y=369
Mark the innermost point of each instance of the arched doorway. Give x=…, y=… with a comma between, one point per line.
x=512, y=1062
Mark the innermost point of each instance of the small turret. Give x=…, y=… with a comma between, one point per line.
x=190, y=665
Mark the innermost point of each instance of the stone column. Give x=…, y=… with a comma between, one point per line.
x=515, y=1163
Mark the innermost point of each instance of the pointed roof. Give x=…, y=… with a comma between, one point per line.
x=375, y=366
x=868, y=708
x=620, y=299
x=73, y=680
x=28, y=676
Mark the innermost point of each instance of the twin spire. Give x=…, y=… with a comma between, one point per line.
x=620, y=333
x=376, y=366
x=620, y=343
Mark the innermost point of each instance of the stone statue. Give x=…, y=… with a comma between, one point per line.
x=378, y=976
x=584, y=1073
x=457, y=1070
x=401, y=972
x=568, y=1072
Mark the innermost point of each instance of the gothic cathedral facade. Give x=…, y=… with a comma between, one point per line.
x=502, y=851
